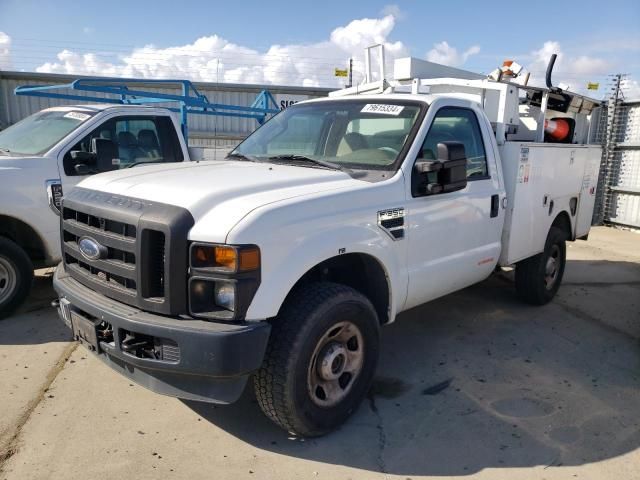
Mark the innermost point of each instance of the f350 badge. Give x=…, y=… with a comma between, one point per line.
x=392, y=222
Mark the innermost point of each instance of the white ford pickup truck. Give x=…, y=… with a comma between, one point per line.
x=284, y=260
x=52, y=151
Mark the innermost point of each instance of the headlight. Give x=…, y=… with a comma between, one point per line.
x=225, y=295
x=223, y=280
x=209, y=295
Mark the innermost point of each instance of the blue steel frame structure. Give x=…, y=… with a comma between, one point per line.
x=124, y=92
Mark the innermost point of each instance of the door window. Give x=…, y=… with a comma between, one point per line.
x=138, y=140
x=460, y=125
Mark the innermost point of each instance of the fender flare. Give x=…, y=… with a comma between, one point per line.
x=279, y=278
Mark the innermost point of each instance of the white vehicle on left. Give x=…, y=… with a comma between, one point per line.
x=50, y=152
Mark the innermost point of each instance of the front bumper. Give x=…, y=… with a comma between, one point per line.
x=209, y=361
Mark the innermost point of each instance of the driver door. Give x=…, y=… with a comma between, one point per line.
x=138, y=139
x=454, y=237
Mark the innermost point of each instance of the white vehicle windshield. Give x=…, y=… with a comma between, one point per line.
x=41, y=131
x=355, y=134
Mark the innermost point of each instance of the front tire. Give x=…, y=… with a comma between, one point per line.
x=16, y=275
x=320, y=361
x=538, y=278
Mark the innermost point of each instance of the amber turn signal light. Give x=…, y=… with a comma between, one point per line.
x=249, y=259
x=225, y=258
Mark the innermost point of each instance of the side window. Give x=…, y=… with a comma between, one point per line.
x=139, y=140
x=460, y=125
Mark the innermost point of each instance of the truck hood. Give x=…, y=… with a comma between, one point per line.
x=218, y=193
x=22, y=162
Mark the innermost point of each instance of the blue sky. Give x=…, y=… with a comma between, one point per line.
x=594, y=38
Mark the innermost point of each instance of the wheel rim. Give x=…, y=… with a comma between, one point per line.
x=335, y=365
x=8, y=279
x=552, y=267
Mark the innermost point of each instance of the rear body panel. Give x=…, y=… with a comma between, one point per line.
x=542, y=180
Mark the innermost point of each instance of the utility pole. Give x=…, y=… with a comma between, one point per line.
x=350, y=73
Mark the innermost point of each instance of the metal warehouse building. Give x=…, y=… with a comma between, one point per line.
x=204, y=130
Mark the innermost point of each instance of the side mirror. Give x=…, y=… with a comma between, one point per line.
x=83, y=161
x=106, y=154
x=446, y=174
x=82, y=169
x=82, y=157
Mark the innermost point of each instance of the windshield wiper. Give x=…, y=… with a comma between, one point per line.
x=242, y=156
x=135, y=164
x=302, y=158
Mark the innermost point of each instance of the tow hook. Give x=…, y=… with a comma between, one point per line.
x=141, y=346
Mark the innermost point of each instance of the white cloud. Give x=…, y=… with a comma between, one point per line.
x=393, y=10
x=585, y=65
x=214, y=58
x=630, y=89
x=582, y=65
x=5, y=51
x=447, y=55
x=572, y=71
x=541, y=56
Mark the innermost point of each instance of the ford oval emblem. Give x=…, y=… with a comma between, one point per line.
x=91, y=249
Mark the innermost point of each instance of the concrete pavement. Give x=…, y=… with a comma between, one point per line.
x=548, y=392
x=34, y=345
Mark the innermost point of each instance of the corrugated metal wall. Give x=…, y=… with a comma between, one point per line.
x=204, y=130
x=621, y=165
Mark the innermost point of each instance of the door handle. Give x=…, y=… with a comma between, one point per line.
x=495, y=205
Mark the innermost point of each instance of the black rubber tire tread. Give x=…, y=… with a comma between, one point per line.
x=530, y=272
x=274, y=382
x=24, y=272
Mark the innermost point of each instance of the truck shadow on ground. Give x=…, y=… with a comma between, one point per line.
x=529, y=386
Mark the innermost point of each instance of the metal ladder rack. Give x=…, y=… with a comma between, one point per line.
x=123, y=91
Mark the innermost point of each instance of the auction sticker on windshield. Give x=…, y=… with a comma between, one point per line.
x=382, y=108
x=77, y=116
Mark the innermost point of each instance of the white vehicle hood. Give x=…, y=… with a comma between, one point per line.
x=22, y=162
x=218, y=194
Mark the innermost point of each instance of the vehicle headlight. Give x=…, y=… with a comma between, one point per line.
x=223, y=280
x=225, y=295
x=208, y=296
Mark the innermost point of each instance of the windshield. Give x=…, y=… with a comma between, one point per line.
x=355, y=134
x=41, y=131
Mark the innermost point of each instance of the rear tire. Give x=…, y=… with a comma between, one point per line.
x=16, y=275
x=320, y=361
x=538, y=278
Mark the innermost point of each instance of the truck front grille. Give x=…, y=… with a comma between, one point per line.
x=132, y=265
x=118, y=269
